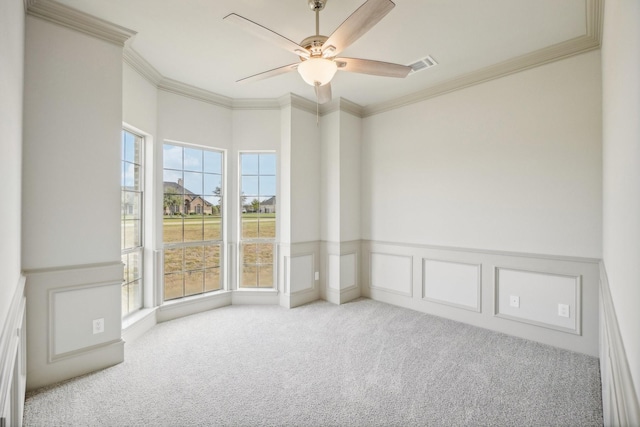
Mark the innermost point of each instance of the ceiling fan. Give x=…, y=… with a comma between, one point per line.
x=318, y=54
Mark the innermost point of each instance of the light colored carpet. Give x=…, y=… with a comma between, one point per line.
x=359, y=364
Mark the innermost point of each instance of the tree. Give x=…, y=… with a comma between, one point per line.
x=255, y=205
x=172, y=200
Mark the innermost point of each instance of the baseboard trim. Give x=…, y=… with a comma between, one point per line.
x=12, y=360
x=620, y=399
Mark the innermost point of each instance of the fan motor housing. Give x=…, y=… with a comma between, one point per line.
x=317, y=5
x=314, y=44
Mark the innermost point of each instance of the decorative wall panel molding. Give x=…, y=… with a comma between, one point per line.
x=539, y=297
x=542, y=282
x=391, y=273
x=62, y=304
x=453, y=283
x=13, y=366
x=620, y=403
x=299, y=274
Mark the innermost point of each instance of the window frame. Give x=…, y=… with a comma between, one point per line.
x=257, y=240
x=140, y=249
x=221, y=242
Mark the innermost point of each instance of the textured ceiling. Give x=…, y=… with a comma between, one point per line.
x=187, y=40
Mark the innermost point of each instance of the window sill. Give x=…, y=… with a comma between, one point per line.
x=136, y=317
x=257, y=290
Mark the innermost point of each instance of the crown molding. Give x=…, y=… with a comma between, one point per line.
x=590, y=41
x=179, y=88
x=255, y=104
x=28, y=4
x=297, y=101
x=341, y=104
x=65, y=16
x=139, y=64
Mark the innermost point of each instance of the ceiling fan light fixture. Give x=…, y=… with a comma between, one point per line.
x=317, y=71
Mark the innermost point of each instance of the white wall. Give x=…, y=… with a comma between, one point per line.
x=139, y=101
x=73, y=116
x=11, y=85
x=350, y=151
x=621, y=164
x=513, y=164
x=305, y=177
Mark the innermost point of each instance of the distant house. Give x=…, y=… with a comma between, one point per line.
x=268, y=206
x=180, y=200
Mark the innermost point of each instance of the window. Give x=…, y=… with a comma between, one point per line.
x=192, y=220
x=258, y=219
x=131, y=215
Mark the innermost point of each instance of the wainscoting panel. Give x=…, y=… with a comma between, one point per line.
x=474, y=286
x=13, y=367
x=620, y=404
x=392, y=273
x=71, y=314
x=62, y=304
x=301, y=273
x=539, y=297
x=452, y=283
x=297, y=275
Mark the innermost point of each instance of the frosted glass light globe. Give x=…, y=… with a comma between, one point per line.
x=317, y=71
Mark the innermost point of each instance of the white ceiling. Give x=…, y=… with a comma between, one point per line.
x=187, y=40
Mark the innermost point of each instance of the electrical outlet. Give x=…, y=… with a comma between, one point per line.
x=514, y=301
x=317, y=275
x=563, y=310
x=98, y=326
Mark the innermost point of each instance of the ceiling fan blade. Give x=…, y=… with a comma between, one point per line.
x=376, y=68
x=270, y=73
x=323, y=93
x=360, y=21
x=266, y=34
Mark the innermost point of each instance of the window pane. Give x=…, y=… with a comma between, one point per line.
x=172, y=228
x=135, y=295
x=134, y=265
x=193, y=282
x=267, y=185
x=249, y=253
x=192, y=160
x=173, y=260
x=212, y=280
x=268, y=165
x=249, y=226
x=212, y=227
x=264, y=252
x=212, y=185
x=265, y=277
x=249, y=276
x=172, y=157
x=267, y=226
x=249, y=164
x=193, y=183
x=193, y=228
x=194, y=258
x=212, y=256
x=173, y=286
x=129, y=148
x=213, y=162
x=172, y=181
x=250, y=186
